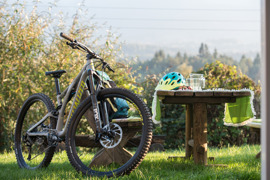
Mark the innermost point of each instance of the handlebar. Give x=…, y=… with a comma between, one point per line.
x=76, y=45
x=66, y=37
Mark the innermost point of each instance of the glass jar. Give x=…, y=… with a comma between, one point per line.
x=196, y=81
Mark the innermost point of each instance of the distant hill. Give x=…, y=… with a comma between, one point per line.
x=161, y=62
x=145, y=51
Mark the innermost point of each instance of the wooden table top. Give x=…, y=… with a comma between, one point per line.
x=207, y=96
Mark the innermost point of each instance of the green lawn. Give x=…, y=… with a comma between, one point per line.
x=240, y=160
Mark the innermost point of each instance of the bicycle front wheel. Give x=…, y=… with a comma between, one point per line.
x=126, y=139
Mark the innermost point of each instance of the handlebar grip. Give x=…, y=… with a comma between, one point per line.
x=66, y=37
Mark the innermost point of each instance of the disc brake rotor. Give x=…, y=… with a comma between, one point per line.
x=113, y=136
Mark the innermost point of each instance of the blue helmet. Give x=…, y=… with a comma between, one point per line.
x=171, y=81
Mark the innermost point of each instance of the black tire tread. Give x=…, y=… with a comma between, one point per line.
x=127, y=168
x=29, y=101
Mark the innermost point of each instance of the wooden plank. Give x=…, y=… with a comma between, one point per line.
x=223, y=93
x=165, y=93
x=105, y=157
x=184, y=93
x=189, y=114
x=254, y=125
x=117, y=154
x=89, y=141
x=204, y=93
x=194, y=99
x=200, y=133
x=128, y=120
x=241, y=93
x=86, y=141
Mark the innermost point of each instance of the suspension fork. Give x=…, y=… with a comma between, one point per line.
x=93, y=95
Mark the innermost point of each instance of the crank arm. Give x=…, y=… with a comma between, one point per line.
x=37, y=133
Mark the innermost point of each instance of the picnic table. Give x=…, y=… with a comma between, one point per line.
x=196, y=115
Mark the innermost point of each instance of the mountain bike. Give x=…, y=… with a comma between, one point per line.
x=107, y=130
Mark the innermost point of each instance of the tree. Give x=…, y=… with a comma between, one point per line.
x=254, y=72
x=204, y=51
x=245, y=64
x=184, y=69
x=178, y=55
x=159, y=56
x=201, y=50
x=219, y=75
x=215, y=54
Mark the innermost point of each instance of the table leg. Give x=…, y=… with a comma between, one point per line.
x=200, y=133
x=189, y=120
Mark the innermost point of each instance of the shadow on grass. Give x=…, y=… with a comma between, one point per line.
x=240, y=166
x=11, y=170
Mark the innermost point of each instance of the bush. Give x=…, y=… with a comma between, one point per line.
x=30, y=46
x=219, y=75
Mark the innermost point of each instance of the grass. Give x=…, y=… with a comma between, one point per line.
x=240, y=160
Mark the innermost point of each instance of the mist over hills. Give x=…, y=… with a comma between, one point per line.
x=157, y=59
x=230, y=48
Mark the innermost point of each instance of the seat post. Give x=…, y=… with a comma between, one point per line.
x=56, y=75
x=57, y=85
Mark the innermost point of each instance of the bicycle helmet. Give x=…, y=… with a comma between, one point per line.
x=171, y=81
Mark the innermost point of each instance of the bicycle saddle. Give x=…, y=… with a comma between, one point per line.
x=55, y=74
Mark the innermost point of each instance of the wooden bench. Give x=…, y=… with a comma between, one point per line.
x=130, y=128
x=89, y=141
x=255, y=128
x=121, y=155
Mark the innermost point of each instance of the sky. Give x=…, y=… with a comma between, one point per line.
x=231, y=26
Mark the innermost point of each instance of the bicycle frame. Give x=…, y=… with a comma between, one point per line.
x=88, y=71
x=106, y=135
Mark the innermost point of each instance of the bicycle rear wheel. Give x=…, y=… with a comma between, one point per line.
x=34, y=152
x=121, y=149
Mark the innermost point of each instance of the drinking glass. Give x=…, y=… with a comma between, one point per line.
x=196, y=81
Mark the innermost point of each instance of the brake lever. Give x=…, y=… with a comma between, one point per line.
x=72, y=45
x=109, y=67
x=106, y=65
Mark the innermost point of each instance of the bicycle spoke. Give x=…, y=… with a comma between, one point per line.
x=40, y=153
